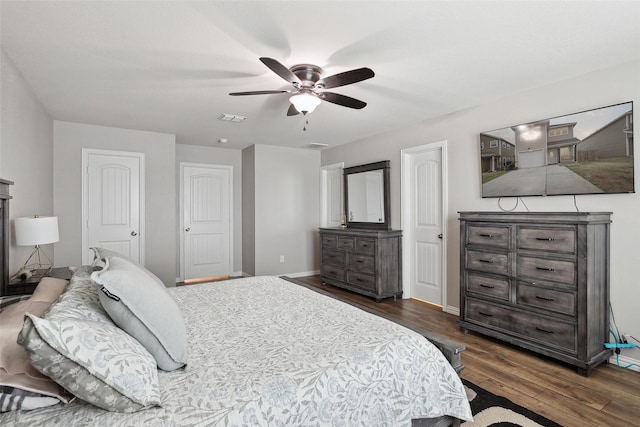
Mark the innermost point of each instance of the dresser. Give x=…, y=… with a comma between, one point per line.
x=365, y=261
x=539, y=281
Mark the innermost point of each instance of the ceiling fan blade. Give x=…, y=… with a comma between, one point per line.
x=346, y=78
x=259, y=92
x=345, y=101
x=281, y=70
x=292, y=111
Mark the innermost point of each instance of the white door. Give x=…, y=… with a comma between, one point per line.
x=332, y=198
x=113, y=191
x=206, y=220
x=423, y=222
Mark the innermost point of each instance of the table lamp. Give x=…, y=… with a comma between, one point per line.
x=36, y=230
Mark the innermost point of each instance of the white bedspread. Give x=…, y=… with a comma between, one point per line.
x=265, y=352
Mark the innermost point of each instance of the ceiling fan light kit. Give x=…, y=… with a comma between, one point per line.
x=309, y=86
x=305, y=102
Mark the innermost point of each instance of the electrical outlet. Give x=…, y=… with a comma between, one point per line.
x=281, y=258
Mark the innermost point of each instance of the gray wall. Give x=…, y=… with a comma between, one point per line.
x=214, y=156
x=248, y=211
x=285, y=194
x=462, y=129
x=26, y=154
x=160, y=190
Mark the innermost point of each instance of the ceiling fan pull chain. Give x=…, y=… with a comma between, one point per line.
x=306, y=123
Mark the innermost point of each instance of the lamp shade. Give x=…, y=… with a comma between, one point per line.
x=305, y=102
x=39, y=230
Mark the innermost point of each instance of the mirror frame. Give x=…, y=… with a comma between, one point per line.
x=385, y=166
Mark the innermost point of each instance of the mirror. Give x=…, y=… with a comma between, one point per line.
x=366, y=196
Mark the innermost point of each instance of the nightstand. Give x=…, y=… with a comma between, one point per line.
x=26, y=287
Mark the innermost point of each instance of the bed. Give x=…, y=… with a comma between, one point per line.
x=257, y=351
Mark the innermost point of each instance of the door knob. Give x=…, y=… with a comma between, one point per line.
x=133, y=233
x=440, y=236
x=187, y=229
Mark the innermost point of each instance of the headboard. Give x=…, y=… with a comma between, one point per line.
x=4, y=235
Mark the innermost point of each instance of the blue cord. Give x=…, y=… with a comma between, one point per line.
x=618, y=355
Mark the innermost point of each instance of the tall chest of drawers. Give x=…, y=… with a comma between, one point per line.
x=361, y=260
x=539, y=281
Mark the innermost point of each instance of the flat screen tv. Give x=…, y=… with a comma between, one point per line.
x=590, y=152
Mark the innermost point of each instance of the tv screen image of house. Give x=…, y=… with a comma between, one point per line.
x=590, y=152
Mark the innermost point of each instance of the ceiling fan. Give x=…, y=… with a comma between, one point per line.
x=309, y=87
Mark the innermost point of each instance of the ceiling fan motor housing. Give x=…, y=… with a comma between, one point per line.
x=308, y=74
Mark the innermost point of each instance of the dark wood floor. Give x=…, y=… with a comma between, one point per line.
x=610, y=396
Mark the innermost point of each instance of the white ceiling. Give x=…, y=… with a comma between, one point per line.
x=169, y=66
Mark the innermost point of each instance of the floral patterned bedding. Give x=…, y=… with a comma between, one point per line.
x=266, y=352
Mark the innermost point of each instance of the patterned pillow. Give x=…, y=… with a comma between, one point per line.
x=80, y=301
x=139, y=303
x=79, y=310
x=96, y=361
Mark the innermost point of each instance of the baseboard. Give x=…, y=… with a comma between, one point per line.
x=302, y=274
x=453, y=310
x=624, y=361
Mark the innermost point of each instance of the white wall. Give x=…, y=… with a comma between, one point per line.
x=215, y=156
x=26, y=154
x=461, y=130
x=286, y=191
x=160, y=190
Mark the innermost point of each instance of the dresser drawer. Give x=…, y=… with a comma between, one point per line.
x=365, y=245
x=547, y=239
x=365, y=263
x=496, y=287
x=550, y=332
x=488, y=261
x=329, y=241
x=546, y=269
x=497, y=236
x=361, y=280
x=346, y=242
x=332, y=272
x=546, y=299
x=334, y=257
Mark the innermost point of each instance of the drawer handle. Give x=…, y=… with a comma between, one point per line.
x=360, y=261
x=482, y=285
x=546, y=239
x=486, y=261
x=546, y=268
x=544, y=298
x=358, y=279
x=546, y=331
x=485, y=314
x=490, y=236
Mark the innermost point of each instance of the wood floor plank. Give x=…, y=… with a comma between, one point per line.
x=610, y=396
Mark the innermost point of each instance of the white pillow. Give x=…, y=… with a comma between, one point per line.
x=139, y=303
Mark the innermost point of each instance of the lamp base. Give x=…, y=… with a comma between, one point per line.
x=37, y=267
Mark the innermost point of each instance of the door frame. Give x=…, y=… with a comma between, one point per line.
x=86, y=152
x=324, y=192
x=181, y=208
x=406, y=187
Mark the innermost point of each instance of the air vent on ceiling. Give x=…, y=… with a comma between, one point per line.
x=225, y=117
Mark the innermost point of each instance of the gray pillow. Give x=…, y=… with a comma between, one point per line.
x=139, y=303
x=96, y=361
